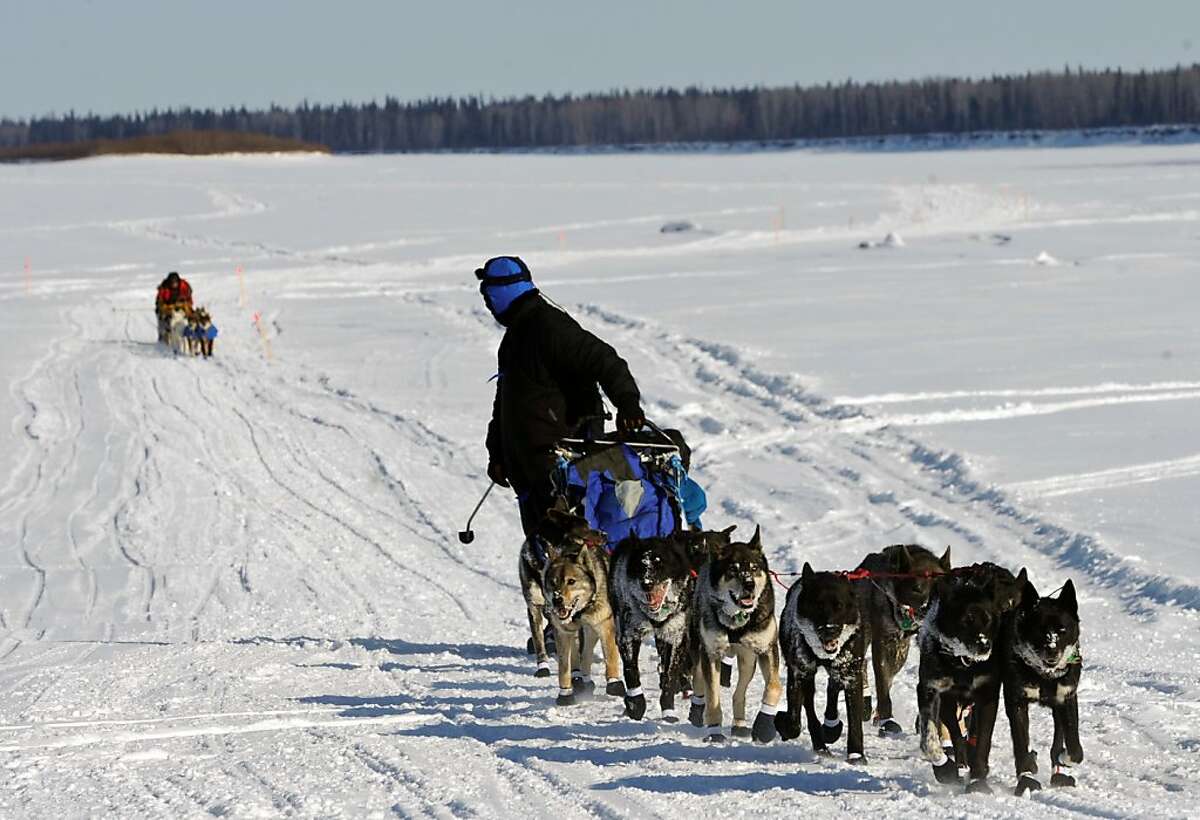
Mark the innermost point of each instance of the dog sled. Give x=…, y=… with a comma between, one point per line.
x=633, y=485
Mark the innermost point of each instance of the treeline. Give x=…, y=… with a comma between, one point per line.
x=193, y=143
x=1079, y=99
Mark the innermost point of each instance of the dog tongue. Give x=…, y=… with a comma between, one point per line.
x=657, y=593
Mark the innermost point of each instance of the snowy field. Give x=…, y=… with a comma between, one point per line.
x=233, y=587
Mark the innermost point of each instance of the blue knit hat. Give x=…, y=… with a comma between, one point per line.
x=501, y=280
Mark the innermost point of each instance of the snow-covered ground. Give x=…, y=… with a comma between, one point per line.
x=234, y=588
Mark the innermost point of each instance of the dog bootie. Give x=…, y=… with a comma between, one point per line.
x=670, y=716
x=635, y=703
x=1060, y=779
x=787, y=726
x=764, y=724
x=696, y=712
x=543, y=670
x=741, y=733
x=831, y=730
x=1026, y=784
x=585, y=688
x=715, y=737
x=615, y=688
x=890, y=728
x=947, y=772
x=566, y=697
x=979, y=786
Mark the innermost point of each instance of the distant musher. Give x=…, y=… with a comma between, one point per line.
x=172, y=291
x=548, y=386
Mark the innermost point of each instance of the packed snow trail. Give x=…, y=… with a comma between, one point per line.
x=233, y=587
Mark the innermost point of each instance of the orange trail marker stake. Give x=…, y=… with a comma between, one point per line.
x=241, y=287
x=262, y=334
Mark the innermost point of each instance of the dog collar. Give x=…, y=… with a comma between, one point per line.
x=737, y=619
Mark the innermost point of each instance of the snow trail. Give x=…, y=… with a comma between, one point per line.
x=233, y=587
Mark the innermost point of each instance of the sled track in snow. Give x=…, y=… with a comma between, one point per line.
x=940, y=475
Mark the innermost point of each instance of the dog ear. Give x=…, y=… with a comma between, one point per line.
x=807, y=573
x=1029, y=595
x=552, y=549
x=598, y=539
x=718, y=549
x=756, y=539
x=728, y=532
x=945, y=559
x=1067, y=598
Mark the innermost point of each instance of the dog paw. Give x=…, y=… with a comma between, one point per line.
x=831, y=730
x=565, y=700
x=979, y=786
x=788, y=728
x=1059, y=780
x=696, y=714
x=890, y=728
x=741, y=733
x=614, y=688
x=764, y=727
x=856, y=759
x=635, y=707
x=543, y=671
x=716, y=738
x=1027, y=783
x=947, y=773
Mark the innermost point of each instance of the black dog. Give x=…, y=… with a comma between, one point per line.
x=892, y=601
x=960, y=668
x=652, y=582
x=1042, y=665
x=821, y=627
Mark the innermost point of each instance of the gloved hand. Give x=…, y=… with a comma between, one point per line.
x=630, y=420
x=495, y=471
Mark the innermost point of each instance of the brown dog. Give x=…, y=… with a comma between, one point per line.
x=575, y=584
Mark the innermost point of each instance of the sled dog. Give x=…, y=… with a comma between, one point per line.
x=734, y=609
x=961, y=667
x=1042, y=665
x=892, y=609
x=177, y=321
x=575, y=584
x=652, y=582
x=821, y=628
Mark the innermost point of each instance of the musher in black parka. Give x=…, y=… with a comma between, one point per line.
x=548, y=385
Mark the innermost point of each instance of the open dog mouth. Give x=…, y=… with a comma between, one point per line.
x=746, y=602
x=657, y=596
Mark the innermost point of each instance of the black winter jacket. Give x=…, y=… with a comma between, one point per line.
x=549, y=368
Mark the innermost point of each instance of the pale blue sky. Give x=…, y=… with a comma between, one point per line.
x=123, y=55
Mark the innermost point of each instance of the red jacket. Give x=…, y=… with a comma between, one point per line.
x=181, y=293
